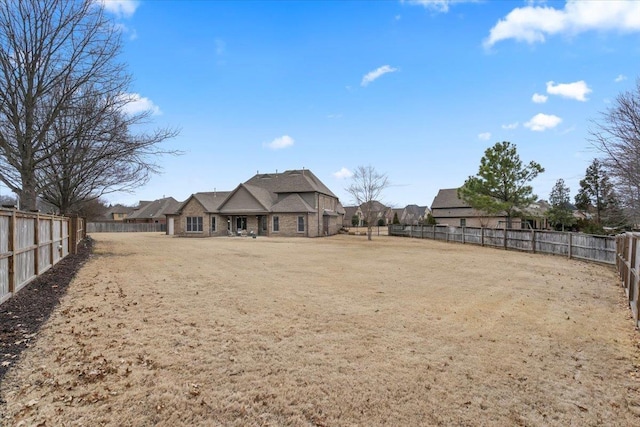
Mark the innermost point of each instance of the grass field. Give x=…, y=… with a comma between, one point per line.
x=333, y=331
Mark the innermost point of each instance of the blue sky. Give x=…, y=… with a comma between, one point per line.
x=417, y=89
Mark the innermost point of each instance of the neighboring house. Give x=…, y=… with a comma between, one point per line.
x=413, y=215
x=378, y=210
x=291, y=203
x=153, y=212
x=349, y=213
x=117, y=213
x=448, y=209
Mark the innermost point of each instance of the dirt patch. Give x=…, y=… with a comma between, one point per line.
x=331, y=331
x=23, y=314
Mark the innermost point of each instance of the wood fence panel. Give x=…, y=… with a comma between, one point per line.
x=44, y=246
x=128, y=227
x=628, y=264
x=590, y=247
x=65, y=238
x=552, y=242
x=5, y=222
x=473, y=235
x=24, y=253
x=572, y=245
x=30, y=244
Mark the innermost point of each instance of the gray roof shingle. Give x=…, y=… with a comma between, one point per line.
x=154, y=209
x=292, y=181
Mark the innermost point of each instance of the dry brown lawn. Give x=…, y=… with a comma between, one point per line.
x=333, y=331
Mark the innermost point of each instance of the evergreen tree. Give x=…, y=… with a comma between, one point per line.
x=560, y=214
x=502, y=183
x=596, y=193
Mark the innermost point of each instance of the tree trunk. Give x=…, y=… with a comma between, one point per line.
x=369, y=232
x=28, y=197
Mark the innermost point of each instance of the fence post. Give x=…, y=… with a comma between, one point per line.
x=570, y=243
x=13, y=244
x=481, y=236
x=504, y=240
x=36, y=238
x=422, y=231
x=533, y=241
x=73, y=234
x=463, y=235
x=52, y=244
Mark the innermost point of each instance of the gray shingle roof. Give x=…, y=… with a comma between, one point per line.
x=448, y=198
x=154, y=209
x=292, y=203
x=266, y=189
x=210, y=201
x=292, y=181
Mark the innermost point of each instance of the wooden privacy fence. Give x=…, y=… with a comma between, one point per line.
x=124, y=227
x=628, y=263
x=31, y=243
x=573, y=245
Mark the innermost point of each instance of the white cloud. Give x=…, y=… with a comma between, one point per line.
x=343, y=173
x=279, y=143
x=334, y=116
x=533, y=24
x=620, y=78
x=120, y=8
x=541, y=122
x=539, y=99
x=377, y=73
x=511, y=126
x=485, y=136
x=436, y=5
x=131, y=33
x=136, y=104
x=576, y=90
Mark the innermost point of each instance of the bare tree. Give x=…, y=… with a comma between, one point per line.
x=62, y=94
x=617, y=136
x=366, y=188
x=95, y=153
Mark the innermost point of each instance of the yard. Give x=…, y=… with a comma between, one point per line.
x=332, y=331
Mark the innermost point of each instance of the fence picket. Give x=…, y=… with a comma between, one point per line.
x=574, y=245
x=30, y=244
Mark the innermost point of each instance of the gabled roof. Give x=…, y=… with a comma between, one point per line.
x=211, y=200
x=292, y=203
x=376, y=206
x=292, y=181
x=448, y=198
x=261, y=200
x=117, y=209
x=350, y=211
x=155, y=209
x=264, y=196
x=450, y=206
x=412, y=213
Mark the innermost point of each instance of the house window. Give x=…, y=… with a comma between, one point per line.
x=463, y=222
x=276, y=223
x=300, y=224
x=194, y=224
x=213, y=223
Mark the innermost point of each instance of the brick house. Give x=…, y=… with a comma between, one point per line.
x=448, y=209
x=293, y=203
x=149, y=212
